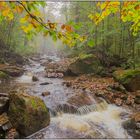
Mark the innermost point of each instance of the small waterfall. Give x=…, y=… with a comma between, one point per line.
x=100, y=121
x=70, y=109
x=91, y=108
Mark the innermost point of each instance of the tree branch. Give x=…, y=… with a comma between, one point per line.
x=33, y=16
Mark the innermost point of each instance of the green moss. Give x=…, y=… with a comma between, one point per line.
x=85, y=56
x=27, y=113
x=3, y=75
x=124, y=76
x=34, y=105
x=37, y=104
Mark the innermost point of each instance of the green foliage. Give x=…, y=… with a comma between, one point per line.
x=124, y=76
x=84, y=56
x=90, y=43
x=3, y=75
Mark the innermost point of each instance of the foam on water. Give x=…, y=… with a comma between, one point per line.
x=108, y=118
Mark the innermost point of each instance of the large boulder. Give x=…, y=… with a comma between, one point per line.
x=82, y=65
x=27, y=113
x=129, y=78
x=11, y=70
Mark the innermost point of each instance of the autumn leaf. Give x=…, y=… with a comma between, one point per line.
x=52, y=25
x=5, y=12
x=34, y=23
x=19, y=9
x=68, y=28
x=63, y=27
x=27, y=29
x=23, y=20
x=10, y=16
x=60, y=35
x=46, y=33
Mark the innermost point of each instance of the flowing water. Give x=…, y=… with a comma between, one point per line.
x=100, y=120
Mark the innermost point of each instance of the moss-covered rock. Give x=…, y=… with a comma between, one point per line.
x=3, y=75
x=27, y=113
x=129, y=78
x=85, y=64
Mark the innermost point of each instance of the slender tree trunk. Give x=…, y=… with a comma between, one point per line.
x=120, y=49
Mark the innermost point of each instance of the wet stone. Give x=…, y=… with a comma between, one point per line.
x=45, y=93
x=4, y=122
x=34, y=78
x=4, y=94
x=12, y=134
x=45, y=83
x=118, y=102
x=133, y=125
x=4, y=104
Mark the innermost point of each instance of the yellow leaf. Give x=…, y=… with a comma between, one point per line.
x=2, y=5
x=19, y=9
x=60, y=35
x=98, y=4
x=27, y=29
x=46, y=33
x=23, y=20
x=6, y=12
x=10, y=16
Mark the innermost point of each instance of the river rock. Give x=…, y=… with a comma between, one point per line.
x=5, y=124
x=27, y=113
x=117, y=87
x=67, y=83
x=34, y=79
x=129, y=78
x=12, y=134
x=133, y=125
x=13, y=71
x=45, y=83
x=137, y=97
x=118, y=101
x=4, y=95
x=80, y=99
x=45, y=93
x=54, y=75
x=60, y=68
x=4, y=104
x=88, y=64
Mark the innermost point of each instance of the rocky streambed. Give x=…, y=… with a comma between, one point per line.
x=80, y=105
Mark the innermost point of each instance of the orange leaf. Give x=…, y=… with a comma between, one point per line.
x=63, y=27
x=137, y=7
x=68, y=28
x=51, y=25
x=19, y=9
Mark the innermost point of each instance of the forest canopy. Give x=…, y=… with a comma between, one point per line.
x=32, y=20
x=112, y=25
